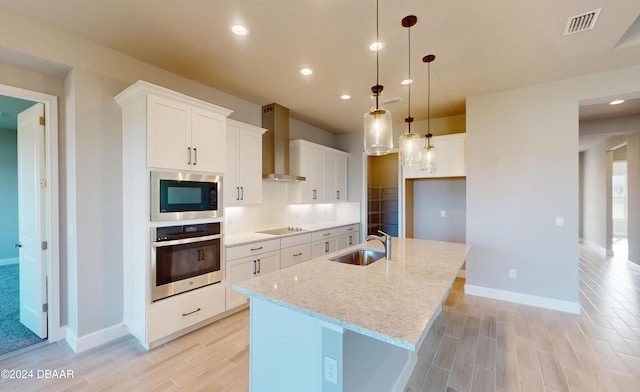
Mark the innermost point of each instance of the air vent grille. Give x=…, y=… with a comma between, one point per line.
x=582, y=22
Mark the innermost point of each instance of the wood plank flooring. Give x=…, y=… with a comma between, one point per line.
x=476, y=344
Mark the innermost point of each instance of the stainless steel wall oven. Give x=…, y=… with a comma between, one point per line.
x=184, y=258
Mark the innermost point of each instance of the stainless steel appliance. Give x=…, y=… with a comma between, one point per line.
x=184, y=258
x=178, y=196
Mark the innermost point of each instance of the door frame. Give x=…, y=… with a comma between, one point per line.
x=55, y=331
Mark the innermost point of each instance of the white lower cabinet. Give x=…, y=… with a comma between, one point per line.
x=349, y=236
x=247, y=261
x=295, y=249
x=184, y=310
x=324, y=242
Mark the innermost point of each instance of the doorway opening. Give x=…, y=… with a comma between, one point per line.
x=382, y=194
x=29, y=144
x=619, y=203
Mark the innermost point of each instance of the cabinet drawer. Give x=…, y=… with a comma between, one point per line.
x=237, y=252
x=351, y=229
x=295, y=254
x=185, y=310
x=293, y=240
x=324, y=234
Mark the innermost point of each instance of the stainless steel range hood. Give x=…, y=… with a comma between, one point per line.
x=275, y=144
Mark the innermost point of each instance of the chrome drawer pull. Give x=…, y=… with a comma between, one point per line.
x=297, y=254
x=254, y=249
x=186, y=314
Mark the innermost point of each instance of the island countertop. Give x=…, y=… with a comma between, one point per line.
x=394, y=300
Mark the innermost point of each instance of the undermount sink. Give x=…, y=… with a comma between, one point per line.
x=359, y=257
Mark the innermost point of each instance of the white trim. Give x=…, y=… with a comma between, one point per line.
x=55, y=331
x=526, y=299
x=9, y=261
x=595, y=246
x=95, y=339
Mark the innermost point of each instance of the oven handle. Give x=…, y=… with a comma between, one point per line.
x=158, y=244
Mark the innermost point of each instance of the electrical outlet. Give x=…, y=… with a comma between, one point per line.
x=443, y=213
x=513, y=273
x=331, y=370
x=560, y=221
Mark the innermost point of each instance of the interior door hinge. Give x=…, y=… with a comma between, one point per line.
x=45, y=308
x=41, y=120
x=44, y=245
x=43, y=183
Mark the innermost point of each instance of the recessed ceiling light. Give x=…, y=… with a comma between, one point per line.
x=616, y=102
x=306, y=71
x=345, y=97
x=239, y=30
x=407, y=81
x=376, y=46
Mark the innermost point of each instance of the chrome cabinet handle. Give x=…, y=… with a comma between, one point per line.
x=297, y=254
x=237, y=193
x=258, y=248
x=241, y=193
x=326, y=234
x=195, y=152
x=338, y=194
x=189, y=155
x=326, y=247
x=254, y=267
x=258, y=265
x=192, y=312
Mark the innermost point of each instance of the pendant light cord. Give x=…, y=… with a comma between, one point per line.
x=377, y=52
x=410, y=82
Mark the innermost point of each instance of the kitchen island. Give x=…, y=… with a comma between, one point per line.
x=327, y=326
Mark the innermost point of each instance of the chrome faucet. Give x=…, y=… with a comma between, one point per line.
x=386, y=241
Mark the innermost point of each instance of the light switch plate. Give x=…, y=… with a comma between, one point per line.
x=559, y=220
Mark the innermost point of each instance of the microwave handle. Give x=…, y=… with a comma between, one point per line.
x=191, y=240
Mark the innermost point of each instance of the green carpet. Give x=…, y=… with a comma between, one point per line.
x=13, y=335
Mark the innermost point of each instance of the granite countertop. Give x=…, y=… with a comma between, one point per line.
x=391, y=300
x=245, y=238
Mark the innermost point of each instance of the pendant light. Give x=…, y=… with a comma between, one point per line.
x=378, y=133
x=428, y=158
x=409, y=142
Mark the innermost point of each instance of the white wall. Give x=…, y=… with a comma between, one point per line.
x=522, y=173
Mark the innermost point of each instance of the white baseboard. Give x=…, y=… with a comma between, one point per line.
x=594, y=246
x=9, y=261
x=95, y=339
x=526, y=299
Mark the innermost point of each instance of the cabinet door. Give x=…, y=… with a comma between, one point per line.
x=207, y=141
x=168, y=134
x=341, y=177
x=312, y=166
x=230, y=185
x=267, y=262
x=250, y=167
x=328, y=178
x=321, y=248
x=347, y=240
x=236, y=272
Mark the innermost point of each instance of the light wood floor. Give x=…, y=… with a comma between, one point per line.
x=476, y=344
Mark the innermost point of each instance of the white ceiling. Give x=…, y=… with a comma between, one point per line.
x=480, y=47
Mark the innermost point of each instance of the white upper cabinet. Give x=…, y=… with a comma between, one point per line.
x=243, y=173
x=182, y=133
x=451, y=158
x=325, y=170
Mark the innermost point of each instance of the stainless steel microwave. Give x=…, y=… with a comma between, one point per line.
x=177, y=196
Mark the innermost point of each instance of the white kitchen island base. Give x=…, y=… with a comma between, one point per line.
x=288, y=350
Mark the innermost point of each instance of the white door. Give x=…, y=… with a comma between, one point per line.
x=31, y=218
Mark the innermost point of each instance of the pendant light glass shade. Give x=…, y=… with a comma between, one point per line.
x=410, y=146
x=378, y=135
x=429, y=156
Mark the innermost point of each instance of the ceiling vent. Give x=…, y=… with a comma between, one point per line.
x=582, y=22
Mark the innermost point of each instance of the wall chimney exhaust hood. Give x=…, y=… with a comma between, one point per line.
x=275, y=144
